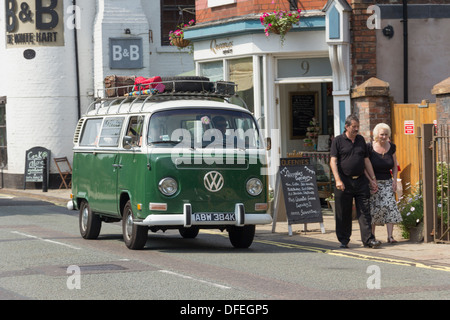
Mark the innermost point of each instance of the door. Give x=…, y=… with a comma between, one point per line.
x=106, y=167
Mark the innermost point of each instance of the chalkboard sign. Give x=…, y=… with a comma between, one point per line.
x=34, y=165
x=303, y=109
x=301, y=198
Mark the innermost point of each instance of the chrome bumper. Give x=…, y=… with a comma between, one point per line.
x=187, y=219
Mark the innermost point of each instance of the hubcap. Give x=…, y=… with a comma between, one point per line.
x=84, y=218
x=129, y=226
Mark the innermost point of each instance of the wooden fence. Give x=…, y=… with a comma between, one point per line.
x=407, y=120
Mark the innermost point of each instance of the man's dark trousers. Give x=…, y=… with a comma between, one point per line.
x=357, y=189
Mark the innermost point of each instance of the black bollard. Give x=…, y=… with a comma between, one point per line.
x=44, y=176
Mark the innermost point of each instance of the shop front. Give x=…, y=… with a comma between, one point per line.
x=288, y=86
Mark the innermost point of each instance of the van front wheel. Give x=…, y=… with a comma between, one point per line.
x=134, y=236
x=241, y=237
x=90, y=223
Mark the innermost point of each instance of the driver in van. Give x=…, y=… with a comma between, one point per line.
x=220, y=123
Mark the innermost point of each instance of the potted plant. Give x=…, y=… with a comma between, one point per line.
x=279, y=22
x=330, y=201
x=312, y=133
x=177, y=37
x=411, y=209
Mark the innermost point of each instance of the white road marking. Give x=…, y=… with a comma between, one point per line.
x=46, y=240
x=194, y=279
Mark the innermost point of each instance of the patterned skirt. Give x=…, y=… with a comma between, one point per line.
x=383, y=206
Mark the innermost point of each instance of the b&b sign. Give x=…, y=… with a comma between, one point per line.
x=125, y=53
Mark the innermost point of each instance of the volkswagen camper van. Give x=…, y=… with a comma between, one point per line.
x=170, y=159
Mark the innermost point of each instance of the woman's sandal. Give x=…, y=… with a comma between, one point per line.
x=391, y=240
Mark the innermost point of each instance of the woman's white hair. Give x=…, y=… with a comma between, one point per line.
x=379, y=127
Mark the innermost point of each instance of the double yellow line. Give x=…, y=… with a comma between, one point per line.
x=342, y=253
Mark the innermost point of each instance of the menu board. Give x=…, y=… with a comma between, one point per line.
x=298, y=180
x=35, y=159
x=303, y=109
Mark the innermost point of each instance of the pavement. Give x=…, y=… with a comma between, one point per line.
x=313, y=237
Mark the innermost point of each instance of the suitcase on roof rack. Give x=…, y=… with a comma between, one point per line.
x=117, y=86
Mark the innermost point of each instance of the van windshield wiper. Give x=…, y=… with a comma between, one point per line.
x=168, y=141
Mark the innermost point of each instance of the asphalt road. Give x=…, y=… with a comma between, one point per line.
x=44, y=257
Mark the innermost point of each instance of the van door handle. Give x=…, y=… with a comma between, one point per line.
x=117, y=165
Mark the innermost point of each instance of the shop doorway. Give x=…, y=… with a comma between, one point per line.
x=306, y=127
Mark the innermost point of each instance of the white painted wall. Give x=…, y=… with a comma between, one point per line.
x=41, y=93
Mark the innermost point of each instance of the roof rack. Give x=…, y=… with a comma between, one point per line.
x=167, y=89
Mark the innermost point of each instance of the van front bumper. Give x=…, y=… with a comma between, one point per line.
x=187, y=219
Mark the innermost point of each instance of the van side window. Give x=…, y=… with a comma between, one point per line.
x=90, y=132
x=110, y=134
x=134, y=130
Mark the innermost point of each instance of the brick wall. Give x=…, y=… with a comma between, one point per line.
x=372, y=103
x=442, y=92
x=246, y=7
x=363, y=44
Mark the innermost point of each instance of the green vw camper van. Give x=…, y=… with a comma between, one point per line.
x=170, y=160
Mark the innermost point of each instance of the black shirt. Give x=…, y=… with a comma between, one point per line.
x=350, y=156
x=382, y=163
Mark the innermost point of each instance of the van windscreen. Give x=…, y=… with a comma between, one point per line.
x=203, y=128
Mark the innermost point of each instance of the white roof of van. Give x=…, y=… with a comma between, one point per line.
x=141, y=105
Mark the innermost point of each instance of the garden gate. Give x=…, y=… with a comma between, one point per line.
x=436, y=156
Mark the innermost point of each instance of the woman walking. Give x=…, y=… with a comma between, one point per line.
x=383, y=207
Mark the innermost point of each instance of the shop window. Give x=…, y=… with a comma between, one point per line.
x=212, y=70
x=241, y=72
x=3, y=142
x=173, y=13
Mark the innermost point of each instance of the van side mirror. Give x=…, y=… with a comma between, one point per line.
x=268, y=143
x=127, y=142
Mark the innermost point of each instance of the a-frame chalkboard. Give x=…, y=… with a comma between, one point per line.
x=35, y=159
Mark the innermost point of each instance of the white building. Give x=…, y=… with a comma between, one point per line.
x=54, y=56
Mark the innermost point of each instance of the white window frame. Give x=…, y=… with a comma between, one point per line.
x=218, y=3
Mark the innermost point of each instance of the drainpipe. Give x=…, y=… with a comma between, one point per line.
x=405, y=51
x=77, y=68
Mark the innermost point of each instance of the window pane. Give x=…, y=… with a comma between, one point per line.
x=212, y=70
x=173, y=13
x=111, y=132
x=90, y=132
x=241, y=73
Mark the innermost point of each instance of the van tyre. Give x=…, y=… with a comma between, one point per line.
x=135, y=236
x=189, y=233
x=241, y=237
x=89, y=223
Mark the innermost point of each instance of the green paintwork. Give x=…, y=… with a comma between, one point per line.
x=95, y=179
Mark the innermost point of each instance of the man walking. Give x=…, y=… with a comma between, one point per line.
x=349, y=158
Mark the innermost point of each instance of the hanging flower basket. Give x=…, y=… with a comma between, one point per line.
x=180, y=43
x=177, y=37
x=279, y=22
x=276, y=30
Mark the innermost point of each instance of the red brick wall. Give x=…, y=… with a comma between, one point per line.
x=245, y=7
x=363, y=44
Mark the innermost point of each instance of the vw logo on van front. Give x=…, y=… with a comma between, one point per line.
x=213, y=181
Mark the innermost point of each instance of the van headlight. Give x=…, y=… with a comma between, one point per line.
x=254, y=187
x=168, y=186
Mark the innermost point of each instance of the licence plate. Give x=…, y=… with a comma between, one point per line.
x=214, y=216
